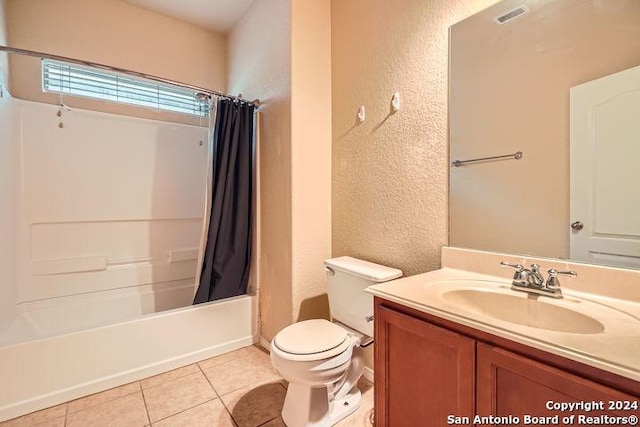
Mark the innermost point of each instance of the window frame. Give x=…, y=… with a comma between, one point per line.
x=70, y=79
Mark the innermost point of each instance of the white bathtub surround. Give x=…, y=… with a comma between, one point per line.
x=46, y=372
x=104, y=219
x=55, y=316
x=607, y=297
x=107, y=202
x=8, y=183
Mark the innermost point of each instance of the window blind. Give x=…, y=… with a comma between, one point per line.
x=65, y=78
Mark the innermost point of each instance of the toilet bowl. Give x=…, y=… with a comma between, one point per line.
x=323, y=360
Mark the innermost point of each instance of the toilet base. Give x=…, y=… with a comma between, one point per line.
x=306, y=406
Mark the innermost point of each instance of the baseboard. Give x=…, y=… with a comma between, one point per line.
x=107, y=382
x=368, y=373
x=265, y=343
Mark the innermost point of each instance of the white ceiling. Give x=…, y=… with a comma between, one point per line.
x=216, y=15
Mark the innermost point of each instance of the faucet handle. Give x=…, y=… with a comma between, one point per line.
x=555, y=273
x=519, y=267
x=553, y=282
x=519, y=274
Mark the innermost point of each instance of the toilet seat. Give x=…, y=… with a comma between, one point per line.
x=311, y=340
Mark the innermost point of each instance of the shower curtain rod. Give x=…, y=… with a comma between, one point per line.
x=41, y=55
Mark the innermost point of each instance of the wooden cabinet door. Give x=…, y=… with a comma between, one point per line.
x=423, y=373
x=509, y=384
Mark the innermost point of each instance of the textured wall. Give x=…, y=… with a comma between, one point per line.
x=289, y=68
x=389, y=177
x=111, y=32
x=311, y=155
x=390, y=172
x=260, y=67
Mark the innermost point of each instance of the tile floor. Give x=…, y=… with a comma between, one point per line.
x=234, y=389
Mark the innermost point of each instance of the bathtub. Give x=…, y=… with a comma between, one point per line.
x=49, y=371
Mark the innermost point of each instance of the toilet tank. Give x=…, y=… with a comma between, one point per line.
x=347, y=278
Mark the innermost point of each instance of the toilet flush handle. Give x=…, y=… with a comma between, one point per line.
x=369, y=318
x=329, y=270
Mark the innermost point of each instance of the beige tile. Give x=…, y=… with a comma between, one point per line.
x=46, y=417
x=252, y=353
x=210, y=414
x=127, y=411
x=175, y=396
x=242, y=372
x=56, y=422
x=276, y=422
x=255, y=405
x=366, y=388
x=169, y=376
x=363, y=417
x=105, y=396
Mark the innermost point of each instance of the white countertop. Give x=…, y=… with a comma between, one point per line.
x=615, y=349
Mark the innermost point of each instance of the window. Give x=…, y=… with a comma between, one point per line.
x=66, y=78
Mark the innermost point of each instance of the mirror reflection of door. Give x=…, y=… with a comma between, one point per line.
x=605, y=169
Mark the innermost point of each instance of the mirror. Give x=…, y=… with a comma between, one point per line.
x=558, y=81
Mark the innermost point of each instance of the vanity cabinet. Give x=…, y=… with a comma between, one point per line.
x=427, y=372
x=428, y=368
x=510, y=384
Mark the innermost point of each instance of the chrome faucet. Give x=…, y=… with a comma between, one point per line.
x=531, y=280
x=535, y=278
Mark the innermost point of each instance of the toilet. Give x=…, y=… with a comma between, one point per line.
x=322, y=360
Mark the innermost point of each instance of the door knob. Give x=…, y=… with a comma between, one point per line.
x=577, y=226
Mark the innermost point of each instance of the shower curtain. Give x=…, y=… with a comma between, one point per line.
x=227, y=254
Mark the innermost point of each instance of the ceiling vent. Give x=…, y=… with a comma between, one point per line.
x=512, y=14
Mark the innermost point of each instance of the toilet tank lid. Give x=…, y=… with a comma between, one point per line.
x=365, y=269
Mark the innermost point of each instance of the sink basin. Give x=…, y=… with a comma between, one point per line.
x=488, y=303
x=521, y=309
